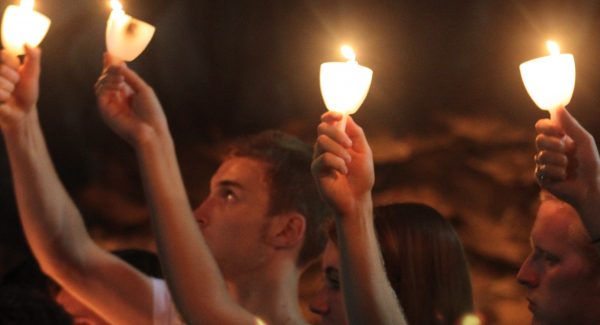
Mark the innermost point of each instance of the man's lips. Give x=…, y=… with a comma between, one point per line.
x=531, y=306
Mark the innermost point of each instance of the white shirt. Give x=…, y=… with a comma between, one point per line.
x=165, y=312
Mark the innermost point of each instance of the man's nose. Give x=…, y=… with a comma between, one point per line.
x=201, y=213
x=527, y=275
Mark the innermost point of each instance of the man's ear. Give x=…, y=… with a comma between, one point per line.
x=286, y=230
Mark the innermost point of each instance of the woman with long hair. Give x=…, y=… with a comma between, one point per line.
x=402, y=263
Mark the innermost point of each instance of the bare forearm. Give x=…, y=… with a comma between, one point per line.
x=369, y=297
x=192, y=273
x=50, y=220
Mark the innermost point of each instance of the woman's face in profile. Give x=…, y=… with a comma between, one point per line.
x=329, y=301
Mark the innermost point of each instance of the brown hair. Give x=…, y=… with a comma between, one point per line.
x=424, y=261
x=292, y=187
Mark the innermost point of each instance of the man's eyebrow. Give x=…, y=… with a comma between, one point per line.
x=229, y=183
x=544, y=251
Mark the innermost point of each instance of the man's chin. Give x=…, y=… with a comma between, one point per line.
x=537, y=320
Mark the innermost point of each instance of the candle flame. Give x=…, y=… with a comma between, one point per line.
x=348, y=53
x=116, y=5
x=470, y=319
x=553, y=47
x=27, y=4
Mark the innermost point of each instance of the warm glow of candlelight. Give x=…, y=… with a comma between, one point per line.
x=27, y=4
x=22, y=25
x=553, y=47
x=116, y=5
x=344, y=85
x=348, y=53
x=470, y=319
x=126, y=37
x=550, y=80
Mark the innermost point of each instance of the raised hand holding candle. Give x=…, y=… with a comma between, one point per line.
x=22, y=25
x=126, y=37
x=550, y=80
x=345, y=85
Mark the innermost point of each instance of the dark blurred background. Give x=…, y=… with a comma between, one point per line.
x=447, y=115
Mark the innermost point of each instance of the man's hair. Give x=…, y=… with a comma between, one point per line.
x=291, y=184
x=578, y=235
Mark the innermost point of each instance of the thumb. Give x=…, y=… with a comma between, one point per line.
x=571, y=126
x=357, y=135
x=31, y=66
x=110, y=60
x=133, y=79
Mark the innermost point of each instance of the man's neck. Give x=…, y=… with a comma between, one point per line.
x=271, y=294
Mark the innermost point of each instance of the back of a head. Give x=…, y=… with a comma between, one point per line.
x=425, y=263
x=23, y=305
x=292, y=187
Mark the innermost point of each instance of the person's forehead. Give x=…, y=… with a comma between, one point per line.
x=552, y=225
x=241, y=170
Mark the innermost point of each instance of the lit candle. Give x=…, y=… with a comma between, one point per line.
x=126, y=37
x=344, y=85
x=550, y=80
x=22, y=25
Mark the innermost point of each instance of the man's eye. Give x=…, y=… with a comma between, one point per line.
x=551, y=259
x=228, y=195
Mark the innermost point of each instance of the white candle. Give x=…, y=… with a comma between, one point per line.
x=550, y=80
x=345, y=85
x=22, y=25
x=126, y=37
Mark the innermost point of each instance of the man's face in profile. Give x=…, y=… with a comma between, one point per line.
x=562, y=284
x=234, y=217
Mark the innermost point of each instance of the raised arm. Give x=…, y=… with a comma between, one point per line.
x=568, y=165
x=343, y=168
x=130, y=107
x=52, y=224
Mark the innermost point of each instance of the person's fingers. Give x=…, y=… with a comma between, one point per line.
x=544, y=142
x=549, y=173
x=326, y=144
x=331, y=117
x=9, y=73
x=331, y=131
x=9, y=59
x=545, y=157
x=547, y=127
x=7, y=85
x=113, y=80
x=4, y=95
x=109, y=60
x=110, y=80
x=326, y=163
